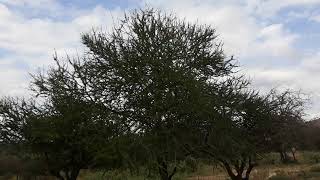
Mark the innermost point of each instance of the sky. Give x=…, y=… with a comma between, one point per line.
x=274, y=41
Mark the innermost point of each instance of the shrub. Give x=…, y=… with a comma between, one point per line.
x=270, y=158
x=311, y=157
x=191, y=164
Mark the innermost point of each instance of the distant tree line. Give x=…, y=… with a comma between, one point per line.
x=152, y=92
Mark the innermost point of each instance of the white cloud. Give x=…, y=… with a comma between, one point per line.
x=4, y=11
x=303, y=76
x=34, y=37
x=98, y=17
x=269, y=8
x=35, y=7
x=31, y=42
x=28, y=2
x=242, y=33
x=13, y=81
x=247, y=33
x=312, y=63
x=277, y=41
x=36, y=4
x=315, y=18
x=293, y=15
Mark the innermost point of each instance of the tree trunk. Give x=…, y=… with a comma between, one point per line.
x=230, y=172
x=72, y=174
x=284, y=157
x=164, y=172
x=60, y=177
x=240, y=170
x=57, y=174
x=251, y=166
x=293, y=151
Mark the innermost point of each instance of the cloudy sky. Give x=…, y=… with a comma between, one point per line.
x=275, y=41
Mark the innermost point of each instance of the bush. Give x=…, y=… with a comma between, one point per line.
x=270, y=159
x=10, y=164
x=311, y=157
x=191, y=164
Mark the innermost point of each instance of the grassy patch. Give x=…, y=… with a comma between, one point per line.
x=280, y=177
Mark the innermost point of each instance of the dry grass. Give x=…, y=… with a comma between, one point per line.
x=292, y=172
x=273, y=169
x=270, y=168
x=272, y=172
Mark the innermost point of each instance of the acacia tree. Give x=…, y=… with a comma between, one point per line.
x=247, y=121
x=235, y=133
x=287, y=123
x=150, y=74
x=62, y=126
x=13, y=115
x=310, y=139
x=153, y=69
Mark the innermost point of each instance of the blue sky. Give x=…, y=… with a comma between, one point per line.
x=275, y=41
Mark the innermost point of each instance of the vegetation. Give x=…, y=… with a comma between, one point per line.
x=155, y=98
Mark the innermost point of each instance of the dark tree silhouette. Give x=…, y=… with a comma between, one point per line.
x=62, y=126
x=153, y=69
x=288, y=123
x=235, y=133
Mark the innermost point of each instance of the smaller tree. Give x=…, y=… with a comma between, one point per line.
x=311, y=135
x=236, y=134
x=287, y=123
x=62, y=126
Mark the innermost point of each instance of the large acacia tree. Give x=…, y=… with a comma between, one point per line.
x=153, y=69
x=150, y=73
